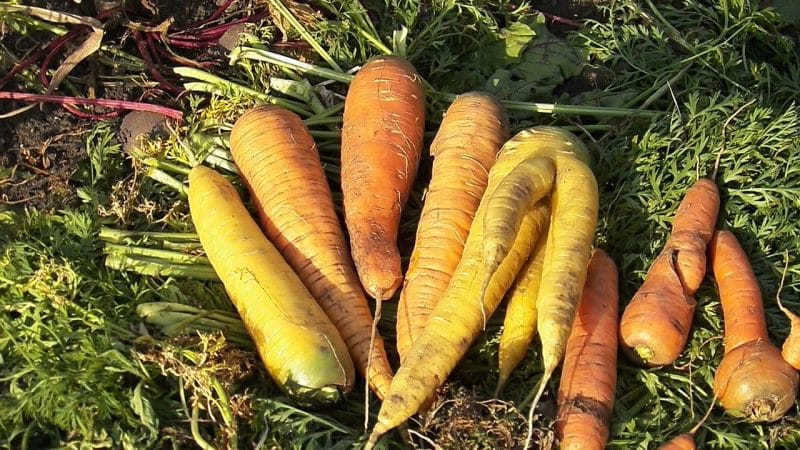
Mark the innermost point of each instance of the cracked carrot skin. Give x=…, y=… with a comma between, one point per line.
x=753, y=381
x=589, y=376
x=300, y=347
x=474, y=128
x=656, y=322
x=278, y=160
x=382, y=135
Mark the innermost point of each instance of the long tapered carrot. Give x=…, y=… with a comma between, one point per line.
x=474, y=128
x=382, y=132
x=589, y=376
x=519, y=324
x=300, y=347
x=278, y=159
x=656, y=323
x=752, y=381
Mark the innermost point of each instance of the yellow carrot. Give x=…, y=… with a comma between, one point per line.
x=519, y=325
x=575, y=205
x=300, y=347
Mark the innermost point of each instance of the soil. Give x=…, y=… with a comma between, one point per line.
x=42, y=148
x=39, y=152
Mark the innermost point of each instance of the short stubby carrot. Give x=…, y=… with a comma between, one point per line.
x=302, y=350
x=278, y=160
x=752, y=381
x=382, y=134
x=656, y=323
x=589, y=376
x=474, y=128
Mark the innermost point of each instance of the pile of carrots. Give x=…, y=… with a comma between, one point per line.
x=504, y=217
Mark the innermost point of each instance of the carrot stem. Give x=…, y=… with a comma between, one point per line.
x=229, y=87
x=167, y=255
x=118, y=236
x=159, y=268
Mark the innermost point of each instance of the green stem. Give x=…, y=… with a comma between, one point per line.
x=284, y=61
x=311, y=121
x=228, y=87
x=167, y=255
x=195, y=427
x=284, y=11
x=167, y=179
x=324, y=134
x=332, y=111
x=375, y=41
x=155, y=267
x=152, y=309
x=224, y=404
x=118, y=236
x=222, y=163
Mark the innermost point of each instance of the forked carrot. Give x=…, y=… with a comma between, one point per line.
x=752, y=381
x=474, y=128
x=589, y=376
x=278, y=160
x=382, y=132
x=656, y=323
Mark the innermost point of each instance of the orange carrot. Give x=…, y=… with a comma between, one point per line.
x=279, y=162
x=752, y=381
x=474, y=128
x=655, y=325
x=589, y=376
x=791, y=345
x=382, y=131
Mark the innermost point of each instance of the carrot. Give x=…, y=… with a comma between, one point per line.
x=575, y=204
x=278, y=160
x=655, y=325
x=300, y=347
x=474, y=128
x=752, y=381
x=686, y=441
x=589, y=376
x=382, y=132
x=462, y=312
x=791, y=345
x=525, y=185
x=519, y=325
